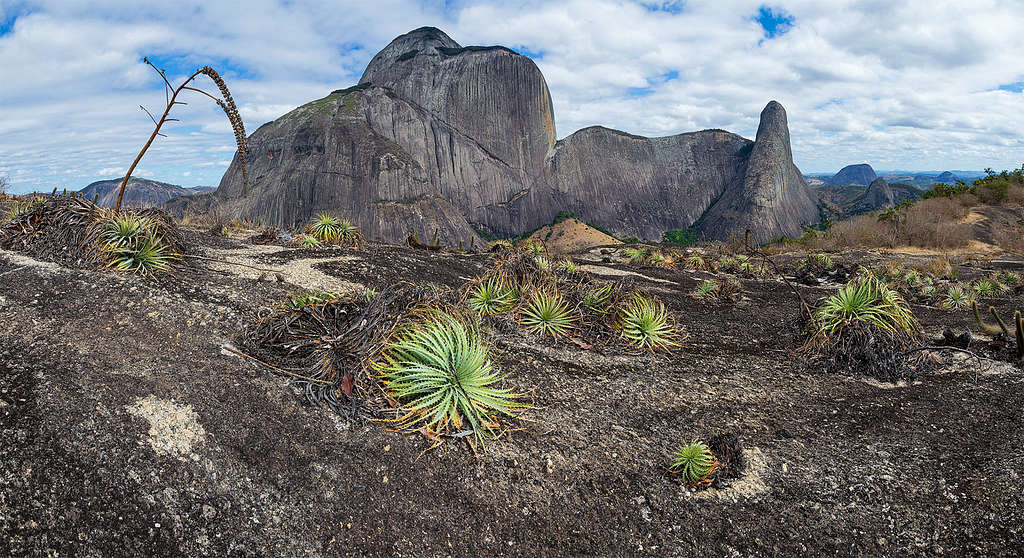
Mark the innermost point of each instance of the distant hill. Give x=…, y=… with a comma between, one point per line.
x=861, y=174
x=140, y=192
x=846, y=200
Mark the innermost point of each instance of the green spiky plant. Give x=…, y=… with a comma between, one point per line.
x=534, y=247
x=1010, y=278
x=501, y=244
x=727, y=263
x=542, y=263
x=706, y=289
x=309, y=298
x=636, y=255
x=439, y=370
x=696, y=261
x=957, y=298
x=823, y=260
x=657, y=258
x=146, y=256
x=693, y=462
x=984, y=288
x=324, y=227
x=866, y=302
x=547, y=313
x=645, y=323
x=568, y=266
x=491, y=296
x=121, y=231
x=310, y=241
x=598, y=299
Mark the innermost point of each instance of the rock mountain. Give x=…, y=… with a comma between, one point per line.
x=861, y=174
x=462, y=139
x=140, y=192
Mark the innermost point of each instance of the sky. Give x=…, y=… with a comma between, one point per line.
x=910, y=84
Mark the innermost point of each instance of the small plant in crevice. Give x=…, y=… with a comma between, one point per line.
x=644, y=323
x=491, y=296
x=693, y=462
x=439, y=371
x=546, y=313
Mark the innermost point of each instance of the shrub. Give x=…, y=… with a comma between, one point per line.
x=441, y=373
x=682, y=237
x=547, y=314
x=645, y=323
x=329, y=229
x=491, y=296
x=694, y=462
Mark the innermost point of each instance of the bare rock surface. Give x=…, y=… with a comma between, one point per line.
x=126, y=430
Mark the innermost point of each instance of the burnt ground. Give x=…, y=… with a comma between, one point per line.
x=125, y=430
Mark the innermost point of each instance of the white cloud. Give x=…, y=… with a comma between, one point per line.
x=909, y=84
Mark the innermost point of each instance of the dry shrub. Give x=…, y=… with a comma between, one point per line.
x=932, y=223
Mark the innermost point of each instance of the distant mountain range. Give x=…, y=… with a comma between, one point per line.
x=862, y=174
x=140, y=192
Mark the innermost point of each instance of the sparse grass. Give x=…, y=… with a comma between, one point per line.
x=693, y=462
x=546, y=313
x=441, y=373
x=645, y=323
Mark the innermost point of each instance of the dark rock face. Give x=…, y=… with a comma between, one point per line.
x=878, y=196
x=772, y=199
x=140, y=192
x=861, y=174
x=437, y=136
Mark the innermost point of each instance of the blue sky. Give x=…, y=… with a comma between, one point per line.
x=919, y=85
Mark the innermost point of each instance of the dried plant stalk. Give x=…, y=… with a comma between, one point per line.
x=226, y=103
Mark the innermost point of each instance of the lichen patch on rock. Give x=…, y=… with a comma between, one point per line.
x=173, y=429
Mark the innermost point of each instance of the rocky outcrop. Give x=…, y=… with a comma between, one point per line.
x=437, y=136
x=861, y=174
x=139, y=192
x=877, y=196
x=772, y=199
